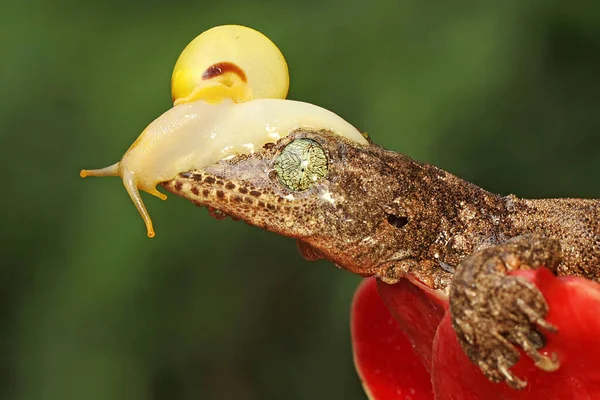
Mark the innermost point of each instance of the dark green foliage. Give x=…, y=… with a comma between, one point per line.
x=504, y=93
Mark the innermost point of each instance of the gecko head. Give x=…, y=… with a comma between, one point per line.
x=312, y=185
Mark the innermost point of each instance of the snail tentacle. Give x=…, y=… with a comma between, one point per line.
x=131, y=185
x=111, y=170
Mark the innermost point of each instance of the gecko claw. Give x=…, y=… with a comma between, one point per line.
x=511, y=379
x=543, y=362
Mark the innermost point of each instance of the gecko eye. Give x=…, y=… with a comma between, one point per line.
x=301, y=164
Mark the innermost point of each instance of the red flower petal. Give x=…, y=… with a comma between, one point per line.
x=389, y=370
x=384, y=358
x=574, y=308
x=418, y=310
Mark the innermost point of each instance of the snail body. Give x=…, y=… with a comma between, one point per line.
x=216, y=113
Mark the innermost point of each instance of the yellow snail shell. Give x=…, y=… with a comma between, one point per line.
x=220, y=116
x=230, y=61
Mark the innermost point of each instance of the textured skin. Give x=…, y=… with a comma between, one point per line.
x=381, y=213
x=490, y=322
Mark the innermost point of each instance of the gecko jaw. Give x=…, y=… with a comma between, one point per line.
x=238, y=200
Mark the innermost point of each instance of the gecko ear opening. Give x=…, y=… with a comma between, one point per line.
x=397, y=221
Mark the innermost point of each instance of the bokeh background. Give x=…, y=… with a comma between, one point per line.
x=503, y=93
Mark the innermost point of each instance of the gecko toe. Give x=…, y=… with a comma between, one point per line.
x=543, y=362
x=535, y=316
x=511, y=319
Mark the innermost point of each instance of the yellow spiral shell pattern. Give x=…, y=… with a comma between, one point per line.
x=229, y=61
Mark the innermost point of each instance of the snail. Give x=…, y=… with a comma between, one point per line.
x=229, y=87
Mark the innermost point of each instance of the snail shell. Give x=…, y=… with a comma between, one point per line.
x=230, y=61
x=218, y=114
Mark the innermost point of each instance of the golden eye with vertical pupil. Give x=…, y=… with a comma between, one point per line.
x=229, y=61
x=301, y=164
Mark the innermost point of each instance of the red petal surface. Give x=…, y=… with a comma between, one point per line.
x=418, y=311
x=384, y=358
x=390, y=371
x=574, y=309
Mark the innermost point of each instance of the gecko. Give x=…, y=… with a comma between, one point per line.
x=379, y=213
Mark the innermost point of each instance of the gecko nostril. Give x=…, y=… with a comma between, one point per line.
x=397, y=221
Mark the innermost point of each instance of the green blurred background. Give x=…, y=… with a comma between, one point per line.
x=503, y=93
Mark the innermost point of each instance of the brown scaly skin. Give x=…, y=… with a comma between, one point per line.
x=381, y=213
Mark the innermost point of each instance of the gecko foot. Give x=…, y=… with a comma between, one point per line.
x=494, y=314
